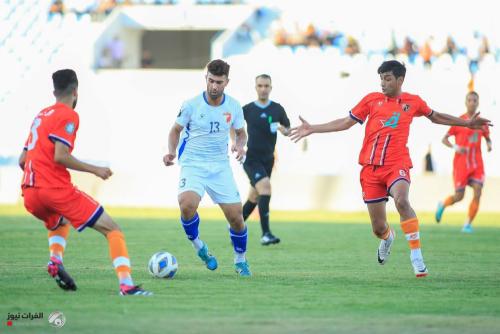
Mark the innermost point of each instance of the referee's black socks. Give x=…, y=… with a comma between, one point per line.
x=264, y=212
x=248, y=208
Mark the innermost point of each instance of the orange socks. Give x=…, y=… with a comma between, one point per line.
x=473, y=208
x=410, y=229
x=119, y=256
x=57, y=241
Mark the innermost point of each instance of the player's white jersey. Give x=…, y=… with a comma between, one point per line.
x=205, y=135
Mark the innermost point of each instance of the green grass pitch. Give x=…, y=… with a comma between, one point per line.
x=322, y=278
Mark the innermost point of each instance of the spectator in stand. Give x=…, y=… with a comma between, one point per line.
x=352, y=46
x=450, y=47
x=146, y=59
x=117, y=51
x=426, y=52
x=56, y=8
x=410, y=49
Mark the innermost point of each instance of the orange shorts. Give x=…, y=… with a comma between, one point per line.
x=465, y=176
x=52, y=204
x=376, y=181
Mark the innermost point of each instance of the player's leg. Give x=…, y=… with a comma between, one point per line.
x=263, y=187
x=35, y=201
x=399, y=190
x=381, y=229
x=460, y=177
x=119, y=253
x=239, y=236
x=473, y=206
x=375, y=197
x=191, y=190
x=222, y=188
x=251, y=203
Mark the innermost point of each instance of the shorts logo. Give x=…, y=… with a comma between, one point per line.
x=402, y=172
x=406, y=107
x=70, y=128
x=257, y=176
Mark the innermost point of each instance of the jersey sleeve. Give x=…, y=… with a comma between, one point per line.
x=423, y=109
x=238, y=119
x=184, y=115
x=65, y=129
x=452, y=131
x=361, y=111
x=284, y=118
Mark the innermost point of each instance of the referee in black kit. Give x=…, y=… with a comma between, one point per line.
x=264, y=119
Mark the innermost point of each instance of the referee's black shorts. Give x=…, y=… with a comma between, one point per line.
x=258, y=168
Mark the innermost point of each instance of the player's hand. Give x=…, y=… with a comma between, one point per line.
x=477, y=122
x=301, y=131
x=103, y=172
x=168, y=159
x=240, y=152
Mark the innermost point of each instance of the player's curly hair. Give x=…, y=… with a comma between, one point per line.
x=218, y=67
x=65, y=81
x=394, y=66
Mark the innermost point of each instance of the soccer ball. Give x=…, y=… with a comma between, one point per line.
x=162, y=265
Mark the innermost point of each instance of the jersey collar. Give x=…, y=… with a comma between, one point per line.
x=206, y=100
x=262, y=106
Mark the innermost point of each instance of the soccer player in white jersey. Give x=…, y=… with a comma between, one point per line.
x=205, y=122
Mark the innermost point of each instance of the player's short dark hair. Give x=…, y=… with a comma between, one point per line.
x=65, y=81
x=472, y=92
x=263, y=76
x=218, y=67
x=394, y=66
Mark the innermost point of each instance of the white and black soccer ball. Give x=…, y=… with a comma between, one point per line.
x=163, y=265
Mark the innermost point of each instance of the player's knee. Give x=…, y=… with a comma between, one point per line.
x=236, y=220
x=379, y=227
x=459, y=195
x=105, y=225
x=188, y=209
x=264, y=187
x=402, y=204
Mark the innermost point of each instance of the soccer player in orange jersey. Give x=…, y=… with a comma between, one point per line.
x=468, y=168
x=49, y=194
x=384, y=156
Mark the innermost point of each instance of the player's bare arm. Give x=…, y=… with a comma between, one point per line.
x=22, y=159
x=305, y=129
x=458, y=149
x=173, y=140
x=488, y=144
x=239, y=143
x=63, y=156
x=284, y=130
x=475, y=122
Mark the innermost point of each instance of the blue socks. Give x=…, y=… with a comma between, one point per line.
x=239, y=240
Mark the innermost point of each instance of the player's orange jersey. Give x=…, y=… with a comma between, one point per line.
x=388, y=127
x=470, y=139
x=55, y=123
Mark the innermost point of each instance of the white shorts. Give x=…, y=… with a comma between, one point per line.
x=216, y=179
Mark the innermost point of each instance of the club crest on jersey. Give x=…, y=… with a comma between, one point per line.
x=406, y=107
x=70, y=128
x=228, y=117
